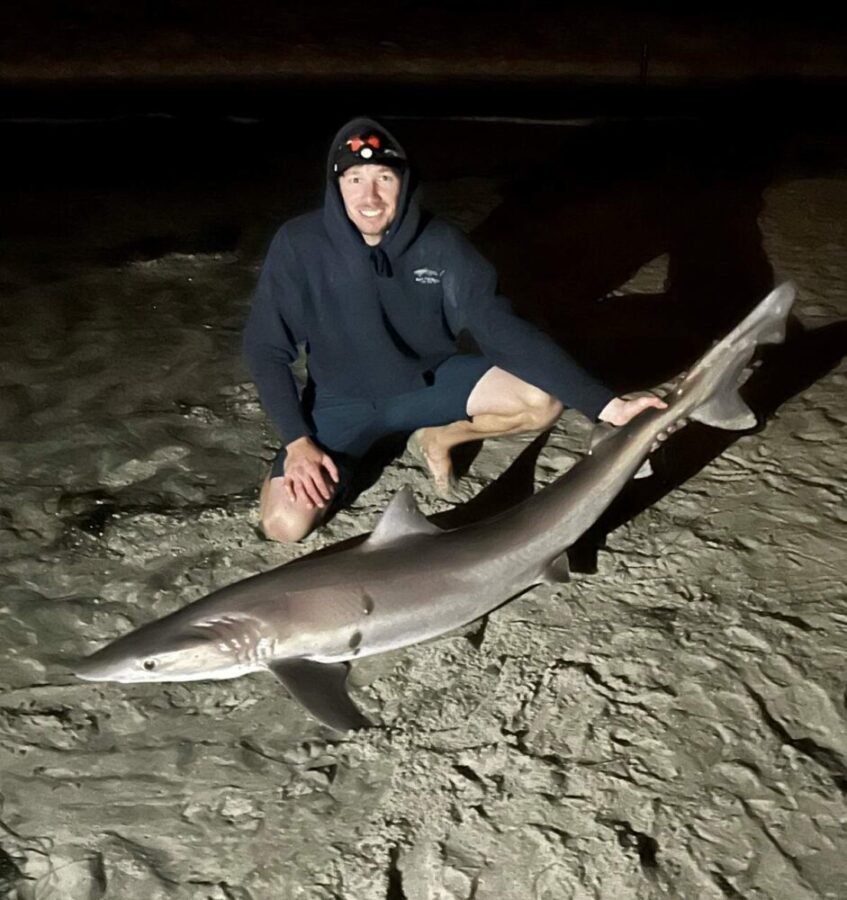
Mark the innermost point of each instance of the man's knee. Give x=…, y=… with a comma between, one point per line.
x=541, y=411
x=287, y=529
x=281, y=519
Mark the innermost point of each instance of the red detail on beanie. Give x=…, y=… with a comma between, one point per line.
x=356, y=143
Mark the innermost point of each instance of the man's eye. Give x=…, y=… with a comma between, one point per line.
x=149, y=664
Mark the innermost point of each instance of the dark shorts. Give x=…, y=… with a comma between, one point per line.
x=347, y=428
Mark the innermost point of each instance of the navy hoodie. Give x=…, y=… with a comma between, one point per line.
x=375, y=320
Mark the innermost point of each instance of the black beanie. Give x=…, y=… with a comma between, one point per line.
x=370, y=146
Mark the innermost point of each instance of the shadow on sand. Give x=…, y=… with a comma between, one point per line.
x=689, y=194
x=570, y=233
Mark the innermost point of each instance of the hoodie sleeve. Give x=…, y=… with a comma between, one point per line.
x=270, y=340
x=473, y=302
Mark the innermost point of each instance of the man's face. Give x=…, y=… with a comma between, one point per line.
x=370, y=195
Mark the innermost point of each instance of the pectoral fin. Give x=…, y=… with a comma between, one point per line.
x=322, y=689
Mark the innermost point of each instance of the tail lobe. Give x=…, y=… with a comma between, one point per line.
x=766, y=324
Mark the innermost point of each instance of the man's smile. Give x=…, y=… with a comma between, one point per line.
x=370, y=194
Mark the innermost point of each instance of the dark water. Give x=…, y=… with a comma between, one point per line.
x=202, y=132
x=595, y=181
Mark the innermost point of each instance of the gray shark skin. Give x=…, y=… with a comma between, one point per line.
x=411, y=581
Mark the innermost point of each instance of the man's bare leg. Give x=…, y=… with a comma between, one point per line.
x=284, y=519
x=499, y=404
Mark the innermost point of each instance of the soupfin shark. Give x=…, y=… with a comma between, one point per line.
x=411, y=581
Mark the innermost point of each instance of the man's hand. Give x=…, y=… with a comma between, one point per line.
x=619, y=411
x=308, y=471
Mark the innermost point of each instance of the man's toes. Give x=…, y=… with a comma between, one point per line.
x=453, y=490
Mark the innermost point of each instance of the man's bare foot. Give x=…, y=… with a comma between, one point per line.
x=428, y=452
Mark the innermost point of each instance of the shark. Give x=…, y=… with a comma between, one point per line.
x=410, y=581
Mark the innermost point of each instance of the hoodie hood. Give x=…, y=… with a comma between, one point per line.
x=344, y=233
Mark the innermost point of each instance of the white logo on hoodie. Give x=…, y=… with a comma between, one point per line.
x=428, y=276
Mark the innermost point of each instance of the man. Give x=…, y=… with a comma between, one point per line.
x=379, y=293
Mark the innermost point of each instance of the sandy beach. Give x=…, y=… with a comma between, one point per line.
x=672, y=723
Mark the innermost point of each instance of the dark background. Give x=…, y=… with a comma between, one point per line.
x=614, y=135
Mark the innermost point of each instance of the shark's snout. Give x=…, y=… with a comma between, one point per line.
x=96, y=668
x=155, y=653
x=85, y=674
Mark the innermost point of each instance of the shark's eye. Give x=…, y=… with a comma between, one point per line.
x=149, y=664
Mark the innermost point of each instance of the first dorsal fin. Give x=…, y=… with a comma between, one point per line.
x=401, y=518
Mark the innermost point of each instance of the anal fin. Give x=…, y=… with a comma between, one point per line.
x=322, y=689
x=558, y=570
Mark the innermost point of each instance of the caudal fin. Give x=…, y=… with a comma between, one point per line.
x=766, y=324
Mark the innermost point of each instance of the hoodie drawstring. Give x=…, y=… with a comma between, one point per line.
x=381, y=262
